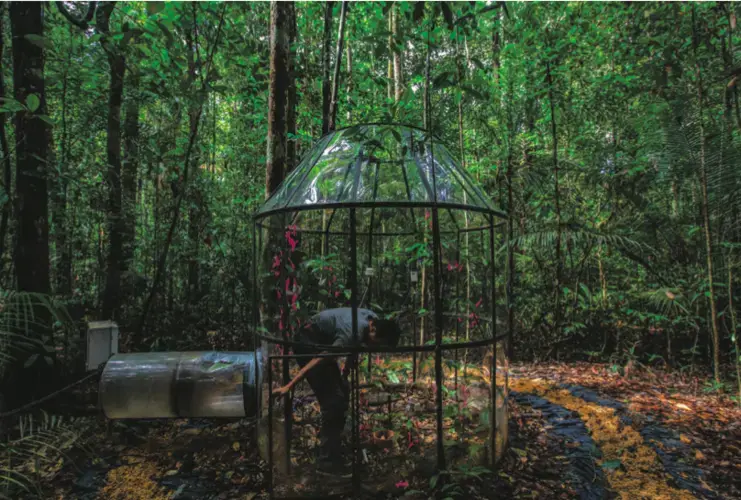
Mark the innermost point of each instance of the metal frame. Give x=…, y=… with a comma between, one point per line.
x=437, y=348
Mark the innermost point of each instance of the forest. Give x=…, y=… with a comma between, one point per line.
x=139, y=139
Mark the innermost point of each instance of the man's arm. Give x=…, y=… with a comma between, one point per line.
x=299, y=377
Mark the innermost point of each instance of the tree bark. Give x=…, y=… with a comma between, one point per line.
x=337, y=66
x=461, y=76
x=326, y=49
x=291, y=154
x=706, y=211
x=32, y=139
x=32, y=150
x=734, y=330
x=195, y=194
x=59, y=194
x=390, y=64
x=129, y=180
x=7, y=167
x=349, y=83
x=398, y=53
x=117, y=66
x=278, y=96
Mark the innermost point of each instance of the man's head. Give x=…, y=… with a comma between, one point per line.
x=383, y=332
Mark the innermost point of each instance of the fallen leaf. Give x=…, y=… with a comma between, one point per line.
x=684, y=439
x=699, y=455
x=611, y=464
x=171, y=472
x=235, y=446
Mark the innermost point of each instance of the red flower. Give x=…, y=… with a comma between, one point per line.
x=402, y=484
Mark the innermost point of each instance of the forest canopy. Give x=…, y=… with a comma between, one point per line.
x=138, y=138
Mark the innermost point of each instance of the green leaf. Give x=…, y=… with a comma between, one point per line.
x=32, y=102
x=611, y=464
x=48, y=119
x=38, y=40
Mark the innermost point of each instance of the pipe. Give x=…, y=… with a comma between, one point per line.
x=182, y=384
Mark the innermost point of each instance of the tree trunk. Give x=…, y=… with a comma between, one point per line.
x=706, y=213
x=278, y=98
x=337, y=66
x=390, y=65
x=196, y=196
x=326, y=48
x=291, y=154
x=557, y=202
x=7, y=167
x=32, y=139
x=734, y=330
x=349, y=83
x=117, y=66
x=129, y=181
x=398, y=53
x=461, y=76
x=59, y=197
x=32, y=150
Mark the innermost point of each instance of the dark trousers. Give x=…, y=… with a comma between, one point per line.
x=332, y=391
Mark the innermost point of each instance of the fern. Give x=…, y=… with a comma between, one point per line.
x=34, y=454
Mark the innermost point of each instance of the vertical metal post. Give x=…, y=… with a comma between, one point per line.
x=354, y=303
x=438, y=336
x=493, y=370
x=414, y=328
x=457, y=304
x=270, y=426
x=253, y=286
x=287, y=398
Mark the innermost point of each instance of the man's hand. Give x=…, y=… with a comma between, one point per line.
x=281, y=391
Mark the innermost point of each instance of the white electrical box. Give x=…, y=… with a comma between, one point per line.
x=102, y=343
x=413, y=277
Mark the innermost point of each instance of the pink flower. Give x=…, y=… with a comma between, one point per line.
x=479, y=303
x=291, y=242
x=402, y=484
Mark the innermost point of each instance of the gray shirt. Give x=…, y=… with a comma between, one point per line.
x=334, y=327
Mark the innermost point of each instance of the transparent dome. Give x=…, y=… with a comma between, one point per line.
x=366, y=165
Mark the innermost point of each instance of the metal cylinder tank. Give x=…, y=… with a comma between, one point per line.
x=181, y=384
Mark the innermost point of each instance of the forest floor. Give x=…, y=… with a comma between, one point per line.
x=575, y=430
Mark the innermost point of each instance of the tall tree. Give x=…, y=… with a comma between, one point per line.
x=117, y=68
x=326, y=67
x=32, y=139
x=7, y=167
x=32, y=149
x=556, y=200
x=292, y=96
x=129, y=178
x=196, y=196
x=337, y=67
x=398, y=54
x=278, y=95
x=706, y=204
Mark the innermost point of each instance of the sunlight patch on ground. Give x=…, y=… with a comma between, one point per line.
x=134, y=482
x=640, y=474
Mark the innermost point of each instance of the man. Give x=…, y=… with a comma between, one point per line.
x=333, y=327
